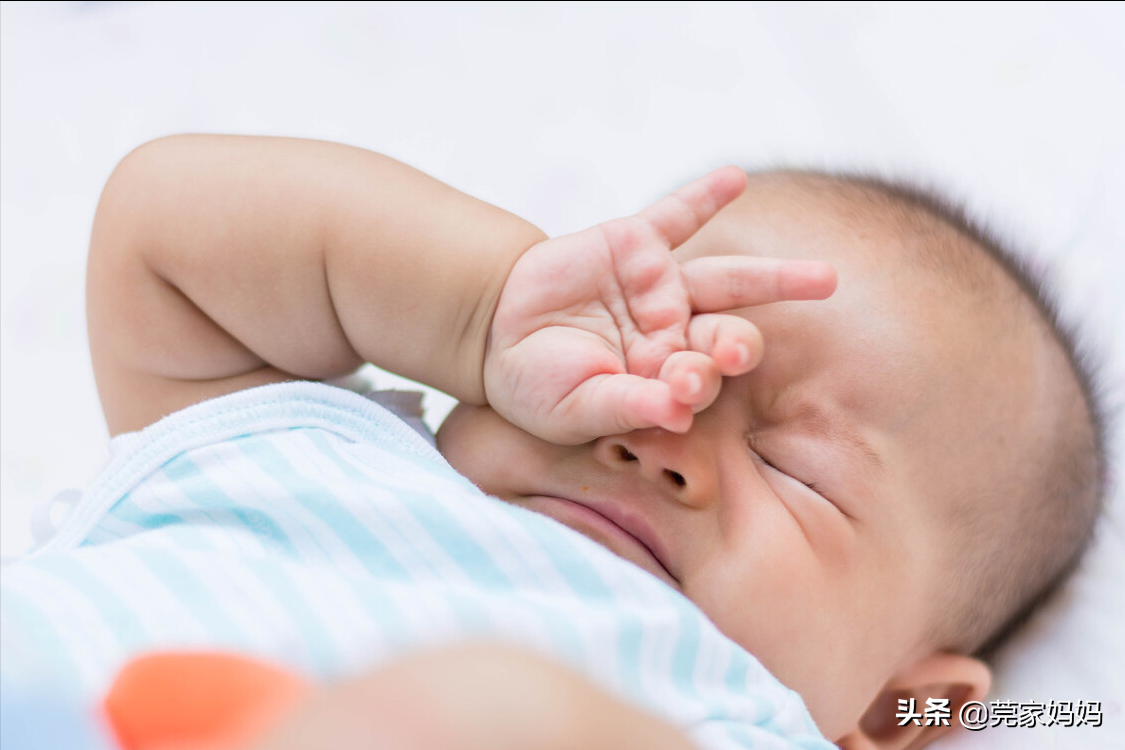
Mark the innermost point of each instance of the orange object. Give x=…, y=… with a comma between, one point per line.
x=198, y=701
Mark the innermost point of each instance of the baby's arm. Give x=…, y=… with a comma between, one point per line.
x=223, y=262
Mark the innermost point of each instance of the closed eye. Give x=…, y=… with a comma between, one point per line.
x=811, y=485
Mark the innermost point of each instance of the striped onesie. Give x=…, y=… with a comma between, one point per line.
x=305, y=525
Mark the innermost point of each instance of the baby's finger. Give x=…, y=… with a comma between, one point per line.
x=681, y=214
x=618, y=403
x=734, y=344
x=727, y=282
x=694, y=378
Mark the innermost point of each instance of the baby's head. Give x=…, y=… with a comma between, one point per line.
x=914, y=464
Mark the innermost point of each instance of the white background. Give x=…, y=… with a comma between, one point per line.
x=569, y=115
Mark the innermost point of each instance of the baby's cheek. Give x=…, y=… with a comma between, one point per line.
x=447, y=431
x=770, y=584
x=485, y=448
x=463, y=438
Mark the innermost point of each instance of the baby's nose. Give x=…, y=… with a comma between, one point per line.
x=665, y=459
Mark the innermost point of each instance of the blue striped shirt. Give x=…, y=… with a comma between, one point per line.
x=306, y=525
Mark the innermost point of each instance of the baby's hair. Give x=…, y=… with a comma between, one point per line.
x=1015, y=558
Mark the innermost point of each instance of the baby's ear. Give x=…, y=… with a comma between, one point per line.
x=920, y=703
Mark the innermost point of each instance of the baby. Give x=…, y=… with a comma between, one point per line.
x=827, y=411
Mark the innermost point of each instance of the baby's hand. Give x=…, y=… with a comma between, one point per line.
x=603, y=332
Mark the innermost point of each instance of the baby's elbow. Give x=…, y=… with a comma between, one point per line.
x=136, y=170
x=130, y=201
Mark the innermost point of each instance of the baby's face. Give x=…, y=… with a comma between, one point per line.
x=803, y=511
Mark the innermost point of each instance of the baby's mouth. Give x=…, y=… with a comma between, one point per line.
x=621, y=534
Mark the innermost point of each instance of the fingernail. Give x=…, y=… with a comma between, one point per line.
x=694, y=383
x=743, y=353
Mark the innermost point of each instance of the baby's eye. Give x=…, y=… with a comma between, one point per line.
x=790, y=477
x=769, y=464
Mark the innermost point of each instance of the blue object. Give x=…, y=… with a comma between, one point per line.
x=44, y=720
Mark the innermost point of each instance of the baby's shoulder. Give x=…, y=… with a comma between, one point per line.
x=265, y=447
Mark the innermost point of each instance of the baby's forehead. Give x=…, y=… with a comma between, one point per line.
x=781, y=217
x=884, y=246
x=787, y=214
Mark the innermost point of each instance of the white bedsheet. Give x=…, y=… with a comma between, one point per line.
x=567, y=116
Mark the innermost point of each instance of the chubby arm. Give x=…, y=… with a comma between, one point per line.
x=223, y=262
